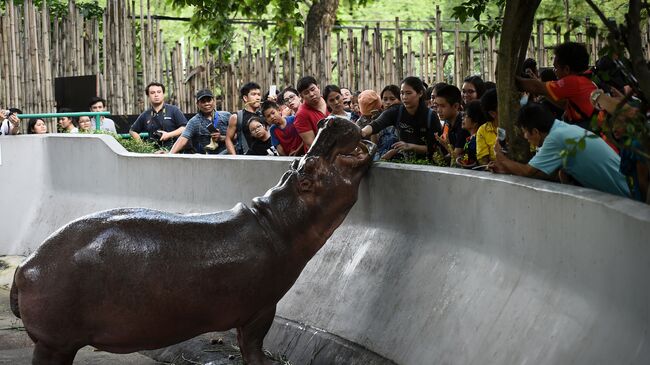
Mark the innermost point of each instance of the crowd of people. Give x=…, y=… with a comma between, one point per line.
x=561, y=109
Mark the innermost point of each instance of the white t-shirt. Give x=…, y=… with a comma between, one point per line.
x=5, y=128
x=106, y=124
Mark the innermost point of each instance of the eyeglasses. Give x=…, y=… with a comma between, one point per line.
x=289, y=98
x=257, y=128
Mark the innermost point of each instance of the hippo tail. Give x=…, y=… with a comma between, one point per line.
x=13, y=298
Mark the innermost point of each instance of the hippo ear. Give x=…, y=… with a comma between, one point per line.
x=308, y=170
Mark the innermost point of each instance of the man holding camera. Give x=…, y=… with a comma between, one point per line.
x=163, y=122
x=206, y=131
x=10, y=123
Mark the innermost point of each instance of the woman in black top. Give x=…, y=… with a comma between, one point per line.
x=415, y=123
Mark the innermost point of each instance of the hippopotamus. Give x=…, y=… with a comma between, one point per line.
x=133, y=279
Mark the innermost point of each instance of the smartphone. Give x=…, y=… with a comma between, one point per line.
x=212, y=129
x=273, y=90
x=501, y=134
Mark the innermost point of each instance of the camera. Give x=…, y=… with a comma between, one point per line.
x=212, y=128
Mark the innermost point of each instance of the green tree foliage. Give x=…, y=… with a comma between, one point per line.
x=59, y=9
x=215, y=18
x=283, y=18
x=479, y=11
x=487, y=13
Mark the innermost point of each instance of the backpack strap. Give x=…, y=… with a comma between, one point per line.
x=585, y=121
x=399, y=115
x=429, y=134
x=241, y=139
x=216, y=119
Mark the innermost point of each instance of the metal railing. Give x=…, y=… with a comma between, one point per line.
x=95, y=115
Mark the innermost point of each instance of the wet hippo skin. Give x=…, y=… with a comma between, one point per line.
x=132, y=279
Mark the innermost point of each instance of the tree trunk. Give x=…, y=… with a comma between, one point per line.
x=321, y=15
x=635, y=47
x=515, y=35
x=567, y=18
x=639, y=63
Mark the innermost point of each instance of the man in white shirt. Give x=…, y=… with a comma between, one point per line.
x=98, y=104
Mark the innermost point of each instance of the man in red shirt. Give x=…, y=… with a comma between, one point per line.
x=311, y=111
x=573, y=88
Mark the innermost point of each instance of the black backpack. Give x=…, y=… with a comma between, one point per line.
x=429, y=133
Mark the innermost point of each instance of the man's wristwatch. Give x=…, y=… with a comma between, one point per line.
x=594, y=97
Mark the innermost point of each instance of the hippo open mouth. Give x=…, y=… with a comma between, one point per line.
x=339, y=137
x=362, y=153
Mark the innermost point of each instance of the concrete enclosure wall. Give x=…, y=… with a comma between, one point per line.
x=432, y=266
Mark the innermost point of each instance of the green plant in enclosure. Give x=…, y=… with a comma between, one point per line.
x=133, y=145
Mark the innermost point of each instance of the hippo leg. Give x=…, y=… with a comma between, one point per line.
x=251, y=337
x=45, y=355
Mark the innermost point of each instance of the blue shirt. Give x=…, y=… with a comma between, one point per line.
x=596, y=166
x=197, y=131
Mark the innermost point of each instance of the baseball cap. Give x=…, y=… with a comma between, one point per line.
x=203, y=94
x=369, y=100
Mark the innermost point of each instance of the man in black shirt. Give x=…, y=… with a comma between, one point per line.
x=163, y=122
x=238, y=138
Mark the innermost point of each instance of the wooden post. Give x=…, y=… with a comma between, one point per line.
x=350, y=62
x=424, y=59
x=482, y=57
x=399, y=66
x=13, y=64
x=457, y=54
x=379, y=52
x=389, y=70
x=339, y=60
x=36, y=64
x=490, y=60
x=5, y=87
x=540, y=44
x=439, y=62
x=409, y=57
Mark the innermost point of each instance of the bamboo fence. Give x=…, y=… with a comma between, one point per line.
x=125, y=49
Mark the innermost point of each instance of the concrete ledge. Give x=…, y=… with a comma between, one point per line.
x=432, y=265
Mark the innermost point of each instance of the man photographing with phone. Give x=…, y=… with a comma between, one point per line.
x=10, y=123
x=206, y=131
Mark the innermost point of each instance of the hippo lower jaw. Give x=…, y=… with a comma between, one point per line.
x=360, y=155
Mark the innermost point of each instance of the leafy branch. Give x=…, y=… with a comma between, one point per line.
x=474, y=9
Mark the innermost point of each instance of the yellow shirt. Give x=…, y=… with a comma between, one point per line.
x=486, y=137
